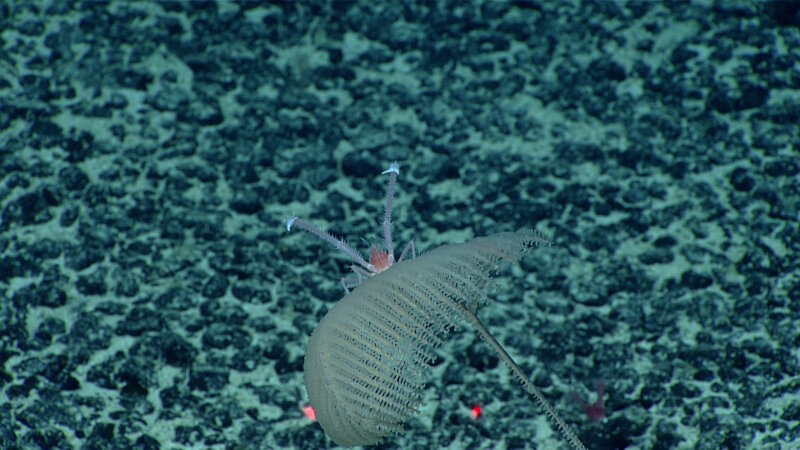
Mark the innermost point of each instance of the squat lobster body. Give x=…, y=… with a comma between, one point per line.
x=379, y=260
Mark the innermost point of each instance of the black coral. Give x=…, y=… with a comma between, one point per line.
x=365, y=360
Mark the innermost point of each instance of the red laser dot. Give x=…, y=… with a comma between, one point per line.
x=476, y=412
x=309, y=412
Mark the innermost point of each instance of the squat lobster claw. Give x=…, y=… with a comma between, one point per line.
x=379, y=260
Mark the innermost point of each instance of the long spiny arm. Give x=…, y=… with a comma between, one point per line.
x=393, y=171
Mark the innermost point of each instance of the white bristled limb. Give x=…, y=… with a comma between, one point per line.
x=324, y=235
x=393, y=171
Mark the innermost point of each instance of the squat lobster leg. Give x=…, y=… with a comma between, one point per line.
x=325, y=236
x=393, y=171
x=410, y=246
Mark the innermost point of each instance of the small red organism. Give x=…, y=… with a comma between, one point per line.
x=596, y=412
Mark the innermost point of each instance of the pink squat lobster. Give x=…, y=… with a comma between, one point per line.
x=379, y=260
